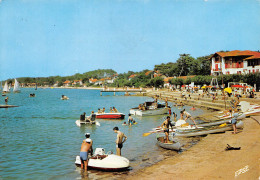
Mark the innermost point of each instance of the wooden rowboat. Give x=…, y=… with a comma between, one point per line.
x=172, y=145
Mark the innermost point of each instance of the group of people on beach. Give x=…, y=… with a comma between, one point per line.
x=167, y=124
x=112, y=110
x=86, y=150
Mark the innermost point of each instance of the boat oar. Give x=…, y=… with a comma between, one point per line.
x=147, y=134
x=222, y=125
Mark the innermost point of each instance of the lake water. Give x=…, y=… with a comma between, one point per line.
x=40, y=140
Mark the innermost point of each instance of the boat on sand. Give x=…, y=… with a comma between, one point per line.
x=171, y=145
x=205, y=131
x=105, y=162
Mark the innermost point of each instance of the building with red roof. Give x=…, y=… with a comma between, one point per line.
x=235, y=62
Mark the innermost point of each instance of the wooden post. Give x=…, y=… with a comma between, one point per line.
x=100, y=93
x=114, y=93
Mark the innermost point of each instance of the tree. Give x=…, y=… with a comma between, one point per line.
x=204, y=65
x=184, y=64
x=156, y=82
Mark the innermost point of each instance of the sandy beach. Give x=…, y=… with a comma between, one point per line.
x=209, y=160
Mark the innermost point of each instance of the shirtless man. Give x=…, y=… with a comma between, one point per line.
x=87, y=135
x=115, y=110
x=165, y=125
x=188, y=115
x=85, y=146
x=121, y=138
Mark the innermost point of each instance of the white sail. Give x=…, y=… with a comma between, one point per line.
x=16, y=86
x=6, y=89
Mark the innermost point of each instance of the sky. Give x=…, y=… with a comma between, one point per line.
x=41, y=38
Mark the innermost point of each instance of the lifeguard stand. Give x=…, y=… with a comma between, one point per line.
x=214, y=82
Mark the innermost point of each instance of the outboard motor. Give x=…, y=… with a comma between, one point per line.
x=99, y=151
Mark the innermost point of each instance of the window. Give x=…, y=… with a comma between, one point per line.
x=253, y=62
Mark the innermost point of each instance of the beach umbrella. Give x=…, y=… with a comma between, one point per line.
x=229, y=90
x=203, y=87
x=237, y=86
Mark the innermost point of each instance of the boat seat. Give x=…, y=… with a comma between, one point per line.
x=99, y=157
x=93, y=117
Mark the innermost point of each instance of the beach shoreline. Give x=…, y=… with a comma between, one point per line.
x=208, y=159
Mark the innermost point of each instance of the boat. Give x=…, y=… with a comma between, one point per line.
x=16, y=86
x=80, y=122
x=6, y=88
x=221, y=121
x=110, y=115
x=7, y=106
x=210, y=130
x=149, y=109
x=105, y=162
x=89, y=120
x=171, y=145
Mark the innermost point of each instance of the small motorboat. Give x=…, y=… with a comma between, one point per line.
x=105, y=162
x=80, y=122
x=110, y=115
x=87, y=120
x=149, y=109
x=171, y=145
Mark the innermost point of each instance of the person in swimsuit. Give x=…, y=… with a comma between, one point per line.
x=6, y=100
x=85, y=146
x=165, y=125
x=121, y=138
x=115, y=110
x=170, y=111
x=188, y=115
x=130, y=119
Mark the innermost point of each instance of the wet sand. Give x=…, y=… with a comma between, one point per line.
x=209, y=160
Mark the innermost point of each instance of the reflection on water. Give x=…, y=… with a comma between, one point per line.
x=40, y=140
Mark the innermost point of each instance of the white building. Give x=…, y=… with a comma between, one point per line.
x=235, y=62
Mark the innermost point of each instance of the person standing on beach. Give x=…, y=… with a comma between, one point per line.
x=165, y=126
x=120, y=139
x=234, y=122
x=85, y=146
x=188, y=115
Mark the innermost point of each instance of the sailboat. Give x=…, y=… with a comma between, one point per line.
x=6, y=88
x=16, y=86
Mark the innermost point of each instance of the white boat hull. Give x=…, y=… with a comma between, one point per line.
x=109, y=162
x=150, y=112
x=79, y=123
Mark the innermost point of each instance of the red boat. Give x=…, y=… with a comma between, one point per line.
x=110, y=116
